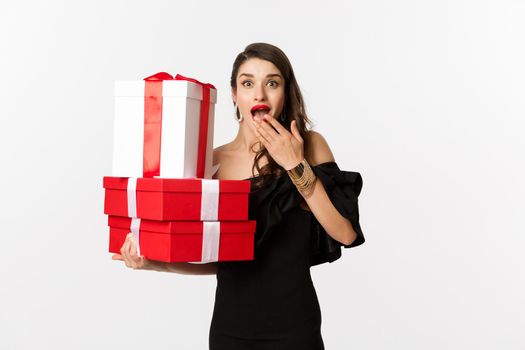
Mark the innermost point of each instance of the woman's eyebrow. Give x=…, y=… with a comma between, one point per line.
x=268, y=76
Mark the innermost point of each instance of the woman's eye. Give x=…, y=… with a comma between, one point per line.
x=273, y=83
x=247, y=83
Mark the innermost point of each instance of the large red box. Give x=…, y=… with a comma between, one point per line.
x=181, y=241
x=175, y=199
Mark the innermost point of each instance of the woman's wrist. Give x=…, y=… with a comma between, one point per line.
x=153, y=265
x=303, y=178
x=183, y=268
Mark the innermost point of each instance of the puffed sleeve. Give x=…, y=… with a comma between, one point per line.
x=343, y=188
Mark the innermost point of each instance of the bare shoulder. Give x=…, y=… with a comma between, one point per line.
x=317, y=150
x=219, y=152
x=231, y=163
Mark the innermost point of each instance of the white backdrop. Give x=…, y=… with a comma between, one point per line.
x=423, y=98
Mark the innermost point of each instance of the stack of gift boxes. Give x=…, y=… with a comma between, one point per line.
x=161, y=189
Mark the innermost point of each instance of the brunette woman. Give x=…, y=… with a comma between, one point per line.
x=305, y=206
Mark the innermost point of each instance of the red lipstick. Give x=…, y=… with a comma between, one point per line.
x=258, y=107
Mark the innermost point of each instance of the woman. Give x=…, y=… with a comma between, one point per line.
x=305, y=207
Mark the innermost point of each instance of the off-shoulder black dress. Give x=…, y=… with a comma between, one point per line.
x=270, y=302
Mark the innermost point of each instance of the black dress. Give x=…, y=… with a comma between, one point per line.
x=270, y=302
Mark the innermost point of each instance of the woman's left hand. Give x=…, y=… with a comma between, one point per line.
x=286, y=148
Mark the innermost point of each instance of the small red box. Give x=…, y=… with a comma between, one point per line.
x=181, y=241
x=175, y=199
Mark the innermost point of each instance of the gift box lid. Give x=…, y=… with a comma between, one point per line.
x=178, y=227
x=176, y=185
x=170, y=88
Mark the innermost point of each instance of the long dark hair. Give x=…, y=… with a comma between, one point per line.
x=293, y=109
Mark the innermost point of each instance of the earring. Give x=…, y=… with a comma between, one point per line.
x=238, y=115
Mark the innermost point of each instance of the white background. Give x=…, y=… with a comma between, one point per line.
x=424, y=98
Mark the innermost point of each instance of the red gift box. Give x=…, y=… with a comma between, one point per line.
x=176, y=199
x=182, y=241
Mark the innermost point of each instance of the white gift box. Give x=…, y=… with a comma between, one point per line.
x=179, y=130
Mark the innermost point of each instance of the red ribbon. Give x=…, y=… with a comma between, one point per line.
x=153, y=123
x=203, y=123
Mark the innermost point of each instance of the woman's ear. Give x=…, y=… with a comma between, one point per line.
x=234, y=97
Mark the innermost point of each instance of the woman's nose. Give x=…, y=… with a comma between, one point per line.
x=260, y=93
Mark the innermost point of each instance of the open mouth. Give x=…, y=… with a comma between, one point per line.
x=260, y=110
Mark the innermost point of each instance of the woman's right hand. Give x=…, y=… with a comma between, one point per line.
x=128, y=254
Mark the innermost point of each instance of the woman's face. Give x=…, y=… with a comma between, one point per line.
x=260, y=90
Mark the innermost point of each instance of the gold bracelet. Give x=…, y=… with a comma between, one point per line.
x=303, y=178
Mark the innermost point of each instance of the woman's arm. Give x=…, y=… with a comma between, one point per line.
x=287, y=149
x=332, y=221
x=336, y=225
x=183, y=268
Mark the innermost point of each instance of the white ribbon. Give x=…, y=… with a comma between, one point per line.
x=210, y=200
x=210, y=241
x=132, y=197
x=135, y=231
x=209, y=216
x=132, y=211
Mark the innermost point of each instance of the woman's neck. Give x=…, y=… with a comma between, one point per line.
x=245, y=140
